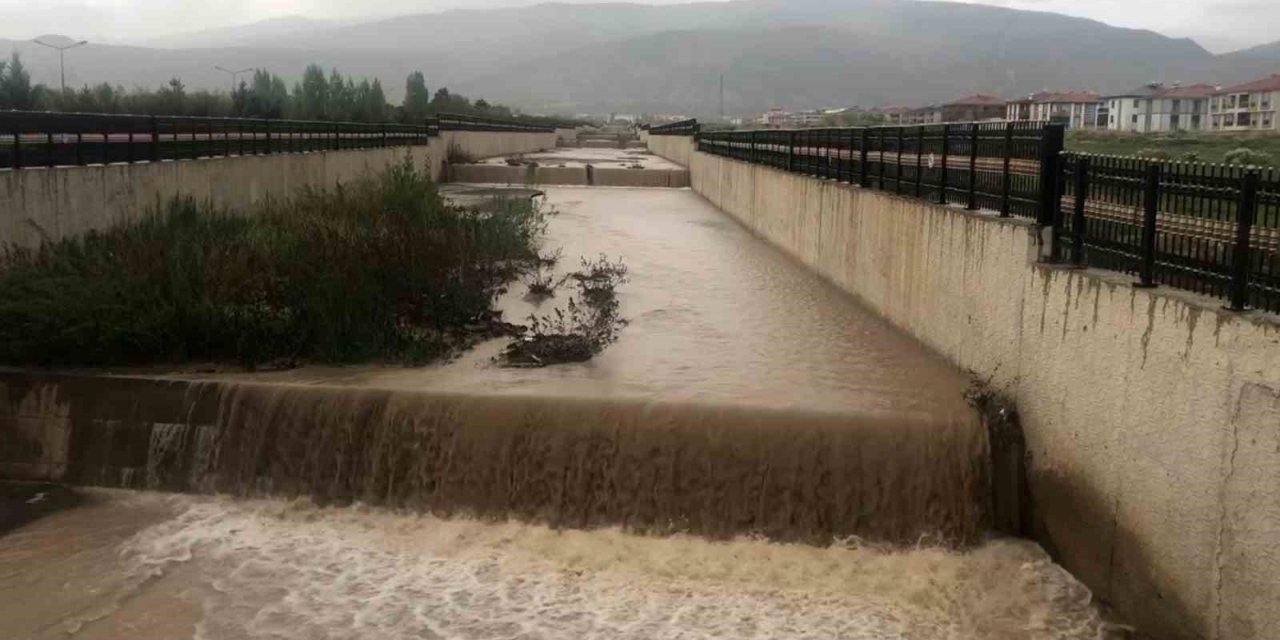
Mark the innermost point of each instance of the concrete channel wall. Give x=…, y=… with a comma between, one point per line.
x=67, y=201
x=1152, y=417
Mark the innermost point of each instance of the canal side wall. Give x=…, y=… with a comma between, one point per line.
x=1152, y=417
x=67, y=201
x=678, y=149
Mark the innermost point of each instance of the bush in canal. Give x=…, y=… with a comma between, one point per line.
x=376, y=269
x=579, y=331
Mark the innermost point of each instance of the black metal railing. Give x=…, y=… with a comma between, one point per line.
x=1008, y=167
x=682, y=128
x=44, y=139
x=456, y=122
x=1212, y=229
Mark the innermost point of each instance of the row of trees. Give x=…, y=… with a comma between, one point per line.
x=266, y=95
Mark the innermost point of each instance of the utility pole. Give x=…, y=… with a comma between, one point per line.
x=235, y=76
x=62, y=60
x=722, y=97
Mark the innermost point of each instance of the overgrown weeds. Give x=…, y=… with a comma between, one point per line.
x=377, y=269
x=582, y=329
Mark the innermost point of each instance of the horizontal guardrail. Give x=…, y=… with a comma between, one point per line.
x=683, y=128
x=47, y=139
x=1009, y=167
x=1209, y=228
x=456, y=122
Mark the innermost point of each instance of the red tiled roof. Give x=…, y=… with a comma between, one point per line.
x=1265, y=84
x=979, y=100
x=1189, y=91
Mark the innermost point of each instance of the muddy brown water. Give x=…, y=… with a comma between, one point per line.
x=651, y=493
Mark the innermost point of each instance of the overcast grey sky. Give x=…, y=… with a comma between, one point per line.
x=1217, y=24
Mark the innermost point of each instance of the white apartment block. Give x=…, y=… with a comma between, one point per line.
x=1246, y=107
x=1156, y=108
x=1077, y=110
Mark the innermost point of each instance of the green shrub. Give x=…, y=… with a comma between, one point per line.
x=1246, y=156
x=379, y=268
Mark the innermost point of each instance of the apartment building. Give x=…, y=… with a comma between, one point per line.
x=1077, y=110
x=1156, y=108
x=780, y=118
x=975, y=108
x=1246, y=107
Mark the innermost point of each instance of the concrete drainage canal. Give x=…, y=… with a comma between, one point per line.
x=754, y=456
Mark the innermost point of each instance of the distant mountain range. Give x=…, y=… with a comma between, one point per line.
x=668, y=59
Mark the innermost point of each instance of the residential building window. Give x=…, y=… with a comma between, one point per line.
x=1135, y=103
x=1266, y=101
x=1135, y=118
x=1229, y=120
x=1173, y=121
x=1177, y=105
x=1213, y=104
x=1242, y=120
x=1195, y=121
x=1231, y=102
x=1266, y=121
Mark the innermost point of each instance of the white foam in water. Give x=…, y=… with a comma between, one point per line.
x=272, y=569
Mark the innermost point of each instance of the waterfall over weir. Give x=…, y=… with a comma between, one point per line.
x=583, y=463
x=745, y=396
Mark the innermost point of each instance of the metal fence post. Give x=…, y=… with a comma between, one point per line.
x=155, y=139
x=919, y=161
x=946, y=152
x=1150, y=206
x=791, y=151
x=863, y=169
x=1239, y=290
x=266, y=124
x=1052, y=140
x=1078, y=221
x=881, y=162
x=1006, y=178
x=897, y=183
x=973, y=168
x=49, y=151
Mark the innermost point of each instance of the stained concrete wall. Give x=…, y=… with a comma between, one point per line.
x=67, y=201
x=1152, y=416
x=678, y=149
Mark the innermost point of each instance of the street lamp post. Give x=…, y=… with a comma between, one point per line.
x=235, y=75
x=62, y=60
